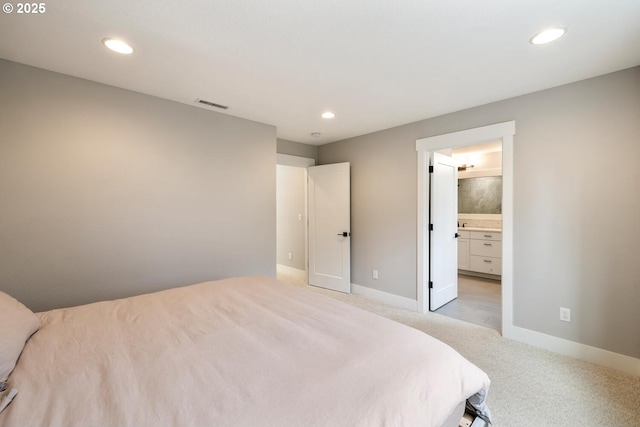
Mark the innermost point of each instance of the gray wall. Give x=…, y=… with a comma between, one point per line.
x=107, y=193
x=297, y=149
x=383, y=207
x=291, y=205
x=576, y=206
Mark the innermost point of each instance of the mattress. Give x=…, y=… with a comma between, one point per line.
x=248, y=351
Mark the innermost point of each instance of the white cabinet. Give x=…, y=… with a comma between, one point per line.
x=485, y=248
x=483, y=264
x=485, y=235
x=484, y=252
x=463, y=250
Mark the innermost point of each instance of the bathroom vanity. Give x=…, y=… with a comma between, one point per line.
x=480, y=251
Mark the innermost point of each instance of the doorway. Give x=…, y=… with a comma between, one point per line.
x=291, y=218
x=504, y=133
x=313, y=231
x=478, y=302
x=479, y=232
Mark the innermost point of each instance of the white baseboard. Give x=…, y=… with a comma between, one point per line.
x=598, y=356
x=385, y=297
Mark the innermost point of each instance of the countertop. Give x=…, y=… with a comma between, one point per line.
x=493, y=230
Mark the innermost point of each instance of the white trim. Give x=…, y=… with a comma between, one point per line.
x=609, y=359
x=385, y=297
x=500, y=131
x=423, y=242
x=462, y=138
x=507, y=234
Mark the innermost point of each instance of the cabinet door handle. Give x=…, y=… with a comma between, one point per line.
x=488, y=244
x=488, y=235
x=487, y=261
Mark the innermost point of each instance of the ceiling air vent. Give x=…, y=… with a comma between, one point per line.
x=211, y=104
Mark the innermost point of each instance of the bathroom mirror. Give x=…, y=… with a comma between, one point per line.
x=481, y=195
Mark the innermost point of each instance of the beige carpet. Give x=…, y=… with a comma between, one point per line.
x=529, y=386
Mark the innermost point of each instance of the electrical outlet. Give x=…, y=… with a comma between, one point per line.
x=290, y=256
x=375, y=274
x=565, y=314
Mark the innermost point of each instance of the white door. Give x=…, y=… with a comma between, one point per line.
x=443, y=262
x=330, y=226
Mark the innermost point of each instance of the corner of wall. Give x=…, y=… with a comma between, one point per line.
x=299, y=149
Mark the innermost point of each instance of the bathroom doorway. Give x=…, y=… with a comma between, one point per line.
x=503, y=132
x=479, y=267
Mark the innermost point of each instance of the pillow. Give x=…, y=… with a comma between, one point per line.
x=18, y=324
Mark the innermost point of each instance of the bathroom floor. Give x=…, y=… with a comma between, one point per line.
x=478, y=302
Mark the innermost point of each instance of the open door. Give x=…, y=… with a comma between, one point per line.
x=443, y=226
x=330, y=226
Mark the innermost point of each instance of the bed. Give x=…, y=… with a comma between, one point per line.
x=248, y=351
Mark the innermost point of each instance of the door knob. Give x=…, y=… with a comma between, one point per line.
x=344, y=234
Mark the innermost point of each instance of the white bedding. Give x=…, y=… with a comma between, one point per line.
x=236, y=352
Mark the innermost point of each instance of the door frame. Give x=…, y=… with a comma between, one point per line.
x=300, y=162
x=500, y=131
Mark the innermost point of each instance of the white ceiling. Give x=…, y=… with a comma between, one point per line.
x=375, y=63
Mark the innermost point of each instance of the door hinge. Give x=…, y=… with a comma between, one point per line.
x=430, y=169
x=430, y=227
x=430, y=285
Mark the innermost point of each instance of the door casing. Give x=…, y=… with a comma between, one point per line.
x=501, y=131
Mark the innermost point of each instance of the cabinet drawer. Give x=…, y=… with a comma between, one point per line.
x=485, y=264
x=490, y=248
x=485, y=235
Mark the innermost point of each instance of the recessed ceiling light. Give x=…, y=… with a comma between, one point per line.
x=328, y=115
x=548, y=35
x=316, y=134
x=117, y=45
